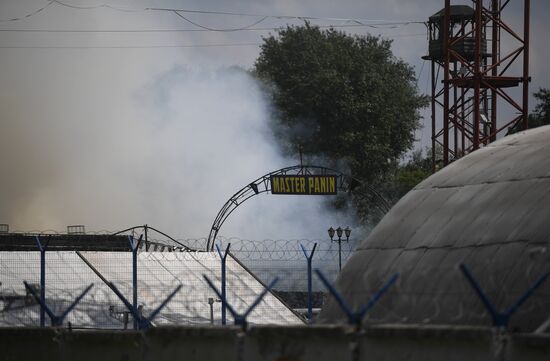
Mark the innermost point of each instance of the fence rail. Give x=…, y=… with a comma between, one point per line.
x=499, y=295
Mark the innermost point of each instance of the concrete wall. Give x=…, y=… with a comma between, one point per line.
x=316, y=343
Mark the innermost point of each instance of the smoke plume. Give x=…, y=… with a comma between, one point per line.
x=104, y=147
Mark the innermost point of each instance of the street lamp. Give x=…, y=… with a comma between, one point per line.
x=331, y=233
x=347, y=231
x=339, y=232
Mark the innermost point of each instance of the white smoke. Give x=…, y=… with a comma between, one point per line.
x=107, y=149
x=112, y=138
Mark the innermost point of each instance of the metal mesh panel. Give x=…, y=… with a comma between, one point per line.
x=158, y=274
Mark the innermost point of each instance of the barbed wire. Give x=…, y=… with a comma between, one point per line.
x=429, y=290
x=264, y=249
x=451, y=297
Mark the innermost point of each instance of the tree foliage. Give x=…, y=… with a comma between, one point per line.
x=408, y=174
x=541, y=114
x=341, y=98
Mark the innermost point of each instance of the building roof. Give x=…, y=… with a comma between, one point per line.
x=159, y=273
x=64, y=242
x=489, y=211
x=457, y=12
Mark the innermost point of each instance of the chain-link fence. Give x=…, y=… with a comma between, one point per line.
x=158, y=273
x=285, y=259
x=268, y=258
x=431, y=286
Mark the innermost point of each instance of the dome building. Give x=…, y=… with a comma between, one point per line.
x=489, y=211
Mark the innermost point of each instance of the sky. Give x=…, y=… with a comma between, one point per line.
x=119, y=113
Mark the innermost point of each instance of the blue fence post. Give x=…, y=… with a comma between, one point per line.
x=356, y=317
x=55, y=319
x=309, y=282
x=143, y=322
x=501, y=319
x=240, y=319
x=42, y=250
x=134, y=248
x=223, y=294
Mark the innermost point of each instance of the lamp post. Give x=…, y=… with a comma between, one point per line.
x=339, y=232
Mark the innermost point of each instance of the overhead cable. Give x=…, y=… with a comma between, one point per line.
x=220, y=30
x=296, y=17
x=147, y=46
x=104, y=5
x=128, y=46
x=364, y=22
x=180, y=30
x=26, y=16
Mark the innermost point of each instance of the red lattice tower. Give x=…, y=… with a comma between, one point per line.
x=475, y=77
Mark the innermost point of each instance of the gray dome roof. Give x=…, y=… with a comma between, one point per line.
x=490, y=211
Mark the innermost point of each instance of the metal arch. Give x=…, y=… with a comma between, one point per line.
x=262, y=185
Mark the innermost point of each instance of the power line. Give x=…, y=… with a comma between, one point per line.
x=228, y=13
x=166, y=30
x=28, y=15
x=108, y=6
x=151, y=46
x=145, y=46
x=289, y=17
x=129, y=46
x=359, y=21
x=377, y=24
x=221, y=30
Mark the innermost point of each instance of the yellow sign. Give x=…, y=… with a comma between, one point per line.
x=303, y=184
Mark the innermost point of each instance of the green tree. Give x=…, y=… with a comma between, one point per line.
x=408, y=174
x=541, y=114
x=342, y=98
